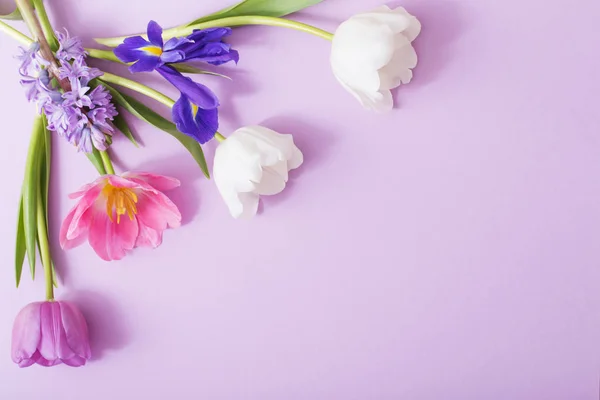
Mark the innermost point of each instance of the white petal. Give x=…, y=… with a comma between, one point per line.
x=414, y=27
x=272, y=182
x=399, y=70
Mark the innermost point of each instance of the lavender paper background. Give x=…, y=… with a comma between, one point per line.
x=447, y=250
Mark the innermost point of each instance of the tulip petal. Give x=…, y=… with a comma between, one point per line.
x=26, y=334
x=75, y=361
x=53, y=344
x=111, y=240
x=157, y=211
x=158, y=182
x=76, y=331
x=148, y=237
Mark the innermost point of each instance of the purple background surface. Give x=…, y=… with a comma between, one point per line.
x=447, y=250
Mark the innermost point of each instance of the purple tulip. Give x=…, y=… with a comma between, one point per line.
x=49, y=333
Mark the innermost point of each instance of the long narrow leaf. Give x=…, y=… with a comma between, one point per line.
x=267, y=8
x=20, y=247
x=30, y=189
x=122, y=126
x=150, y=116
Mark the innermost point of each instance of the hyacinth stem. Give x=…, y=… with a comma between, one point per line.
x=186, y=30
x=15, y=34
x=107, y=162
x=138, y=87
x=35, y=27
x=44, y=248
x=45, y=23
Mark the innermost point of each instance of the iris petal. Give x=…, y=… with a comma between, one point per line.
x=195, y=122
x=155, y=34
x=198, y=94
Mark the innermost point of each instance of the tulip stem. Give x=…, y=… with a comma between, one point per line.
x=138, y=87
x=44, y=247
x=107, y=162
x=220, y=138
x=186, y=30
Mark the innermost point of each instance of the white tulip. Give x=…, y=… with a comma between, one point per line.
x=253, y=161
x=373, y=53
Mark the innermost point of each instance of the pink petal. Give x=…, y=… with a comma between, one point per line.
x=79, y=234
x=148, y=237
x=121, y=182
x=76, y=330
x=111, y=240
x=44, y=362
x=84, y=204
x=53, y=345
x=86, y=188
x=75, y=361
x=158, y=182
x=157, y=211
x=26, y=334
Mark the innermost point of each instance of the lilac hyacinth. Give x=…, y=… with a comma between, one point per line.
x=82, y=115
x=71, y=47
x=196, y=111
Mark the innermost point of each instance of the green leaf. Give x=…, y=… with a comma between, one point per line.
x=20, y=248
x=148, y=115
x=121, y=125
x=190, y=69
x=266, y=8
x=14, y=16
x=45, y=164
x=96, y=160
x=30, y=189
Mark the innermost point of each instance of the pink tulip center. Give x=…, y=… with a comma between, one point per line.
x=120, y=201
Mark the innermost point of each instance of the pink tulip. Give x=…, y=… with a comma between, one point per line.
x=49, y=333
x=119, y=213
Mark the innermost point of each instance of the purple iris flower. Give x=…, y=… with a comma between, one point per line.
x=152, y=53
x=196, y=111
x=207, y=45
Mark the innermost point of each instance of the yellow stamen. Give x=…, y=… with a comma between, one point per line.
x=120, y=201
x=194, y=110
x=154, y=50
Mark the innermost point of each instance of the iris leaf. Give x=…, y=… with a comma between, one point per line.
x=266, y=8
x=14, y=16
x=20, y=247
x=121, y=124
x=148, y=115
x=30, y=189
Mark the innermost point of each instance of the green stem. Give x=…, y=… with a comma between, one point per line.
x=230, y=21
x=107, y=162
x=138, y=87
x=15, y=34
x=46, y=25
x=220, y=138
x=103, y=55
x=44, y=247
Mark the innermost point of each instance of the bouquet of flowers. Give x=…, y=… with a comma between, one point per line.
x=371, y=53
